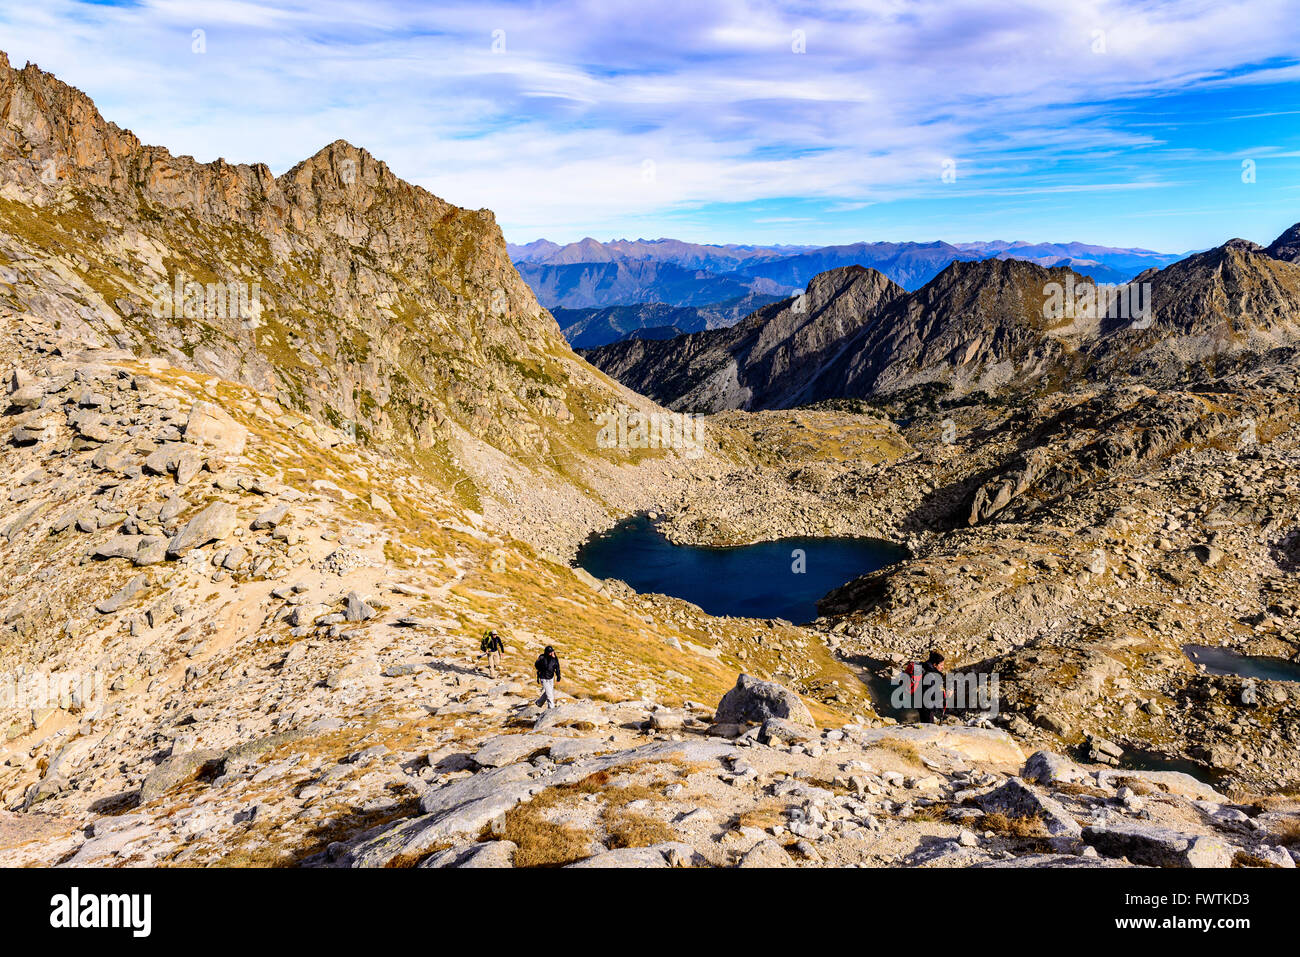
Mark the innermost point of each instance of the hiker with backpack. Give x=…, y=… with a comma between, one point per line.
x=548, y=672
x=925, y=683
x=492, y=647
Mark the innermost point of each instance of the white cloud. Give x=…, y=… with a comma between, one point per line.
x=553, y=132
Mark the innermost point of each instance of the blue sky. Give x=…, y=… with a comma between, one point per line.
x=1121, y=122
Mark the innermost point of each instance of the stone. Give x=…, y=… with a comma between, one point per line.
x=357, y=609
x=271, y=517
x=120, y=597
x=212, y=524
x=753, y=700
x=1157, y=846
x=508, y=748
x=119, y=546
x=488, y=854
x=667, y=721
x=655, y=855
x=1172, y=782
x=176, y=770
x=1016, y=799
x=1050, y=768
x=781, y=731
x=766, y=853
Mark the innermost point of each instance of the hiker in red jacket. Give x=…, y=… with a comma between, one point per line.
x=922, y=679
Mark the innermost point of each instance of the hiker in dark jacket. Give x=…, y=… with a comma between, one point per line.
x=933, y=677
x=548, y=672
x=493, y=647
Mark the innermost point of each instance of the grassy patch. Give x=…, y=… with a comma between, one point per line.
x=1019, y=827
x=1288, y=833
x=543, y=843
x=628, y=829
x=904, y=749
x=1247, y=859
x=762, y=816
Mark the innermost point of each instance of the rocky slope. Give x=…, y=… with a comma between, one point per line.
x=771, y=360
x=349, y=295
x=994, y=326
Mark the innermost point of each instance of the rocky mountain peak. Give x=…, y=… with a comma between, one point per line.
x=343, y=291
x=1286, y=246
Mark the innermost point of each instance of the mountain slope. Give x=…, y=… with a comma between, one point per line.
x=766, y=361
x=990, y=325
x=586, y=284
x=1235, y=297
x=589, y=328
x=351, y=296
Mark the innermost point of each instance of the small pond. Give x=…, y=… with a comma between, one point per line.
x=777, y=579
x=1225, y=661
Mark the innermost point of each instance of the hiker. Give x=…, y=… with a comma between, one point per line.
x=919, y=684
x=492, y=647
x=934, y=665
x=548, y=672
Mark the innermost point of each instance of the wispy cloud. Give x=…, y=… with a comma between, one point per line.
x=588, y=115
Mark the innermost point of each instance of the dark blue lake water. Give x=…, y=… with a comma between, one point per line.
x=1225, y=661
x=749, y=581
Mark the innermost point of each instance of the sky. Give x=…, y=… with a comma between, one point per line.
x=1168, y=126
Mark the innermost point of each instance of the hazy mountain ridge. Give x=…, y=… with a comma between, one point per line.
x=592, y=327
x=591, y=275
x=981, y=326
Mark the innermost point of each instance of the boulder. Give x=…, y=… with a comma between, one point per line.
x=781, y=731
x=1050, y=768
x=121, y=596
x=177, y=770
x=1017, y=799
x=508, y=748
x=766, y=853
x=357, y=608
x=271, y=517
x=753, y=700
x=212, y=524
x=119, y=546
x=1157, y=846
x=487, y=854
x=667, y=854
x=1171, y=782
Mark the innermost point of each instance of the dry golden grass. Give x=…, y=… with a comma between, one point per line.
x=930, y=813
x=1077, y=789
x=541, y=842
x=544, y=843
x=762, y=816
x=904, y=749
x=1138, y=786
x=629, y=829
x=1021, y=827
x=1247, y=859
x=1288, y=833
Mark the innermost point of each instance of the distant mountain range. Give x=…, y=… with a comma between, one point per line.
x=588, y=328
x=977, y=326
x=592, y=276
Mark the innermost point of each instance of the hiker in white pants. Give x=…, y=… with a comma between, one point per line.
x=548, y=672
